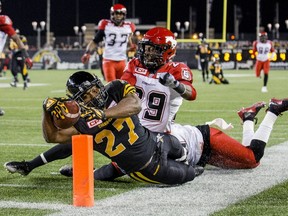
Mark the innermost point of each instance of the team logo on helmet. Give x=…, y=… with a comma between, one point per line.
x=172, y=40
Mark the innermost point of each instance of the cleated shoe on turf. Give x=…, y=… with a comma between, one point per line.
x=2, y=112
x=250, y=113
x=25, y=85
x=198, y=170
x=277, y=106
x=18, y=167
x=66, y=170
x=13, y=84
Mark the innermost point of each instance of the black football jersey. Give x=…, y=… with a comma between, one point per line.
x=122, y=140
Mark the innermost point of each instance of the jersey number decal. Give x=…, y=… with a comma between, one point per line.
x=112, y=39
x=263, y=50
x=112, y=149
x=156, y=102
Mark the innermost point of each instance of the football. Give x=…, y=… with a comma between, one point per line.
x=71, y=117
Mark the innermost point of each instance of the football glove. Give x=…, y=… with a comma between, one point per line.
x=85, y=58
x=90, y=113
x=29, y=63
x=56, y=107
x=169, y=80
x=132, y=48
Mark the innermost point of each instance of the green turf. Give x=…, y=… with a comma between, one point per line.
x=21, y=137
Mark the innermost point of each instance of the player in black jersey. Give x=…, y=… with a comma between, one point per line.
x=110, y=114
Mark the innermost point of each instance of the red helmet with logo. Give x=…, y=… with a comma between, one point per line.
x=263, y=37
x=157, y=47
x=118, y=9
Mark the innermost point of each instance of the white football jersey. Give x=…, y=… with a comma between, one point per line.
x=116, y=39
x=191, y=136
x=159, y=103
x=263, y=50
x=3, y=38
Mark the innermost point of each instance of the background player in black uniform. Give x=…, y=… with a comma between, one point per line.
x=217, y=72
x=204, y=53
x=18, y=63
x=133, y=147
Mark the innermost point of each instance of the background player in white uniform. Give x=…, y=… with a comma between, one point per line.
x=6, y=29
x=263, y=48
x=116, y=33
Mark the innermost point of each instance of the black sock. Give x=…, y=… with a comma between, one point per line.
x=57, y=152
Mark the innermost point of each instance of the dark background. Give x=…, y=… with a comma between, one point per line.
x=65, y=15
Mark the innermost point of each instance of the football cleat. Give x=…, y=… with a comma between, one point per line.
x=250, y=113
x=25, y=85
x=277, y=106
x=264, y=89
x=2, y=112
x=18, y=167
x=198, y=170
x=66, y=170
x=13, y=84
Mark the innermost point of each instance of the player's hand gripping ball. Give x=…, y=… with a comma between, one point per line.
x=71, y=112
x=65, y=112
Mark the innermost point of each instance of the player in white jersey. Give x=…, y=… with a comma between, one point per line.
x=116, y=34
x=263, y=48
x=160, y=103
x=6, y=29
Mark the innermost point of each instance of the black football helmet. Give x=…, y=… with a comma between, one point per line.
x=80, y=82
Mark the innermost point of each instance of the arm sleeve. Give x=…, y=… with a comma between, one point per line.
x=99, y=36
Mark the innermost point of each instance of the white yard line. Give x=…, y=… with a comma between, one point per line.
x=214, y=190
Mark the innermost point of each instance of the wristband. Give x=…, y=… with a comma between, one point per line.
x=180, y=88
x=88, y=52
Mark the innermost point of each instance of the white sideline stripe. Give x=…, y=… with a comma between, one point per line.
x=20, y=85
x=26, y=144
x=214, y=190
x=58, y=187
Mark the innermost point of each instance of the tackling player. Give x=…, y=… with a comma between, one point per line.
x=6, y=29
x=263, y=47
x=117, y=33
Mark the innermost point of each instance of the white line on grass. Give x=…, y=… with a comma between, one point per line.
x=214, y=190
x=25, y=144
x=7, y=85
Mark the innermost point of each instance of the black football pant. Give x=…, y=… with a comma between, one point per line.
x=163, y=168
x=204, y=68
x=18, y=66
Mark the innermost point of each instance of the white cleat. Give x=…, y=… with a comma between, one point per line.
x=264, y=89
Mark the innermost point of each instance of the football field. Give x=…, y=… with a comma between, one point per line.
x=262, y=191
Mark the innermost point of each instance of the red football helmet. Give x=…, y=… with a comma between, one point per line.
x=118, y=9
x=157, y=47
x=263, y=37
